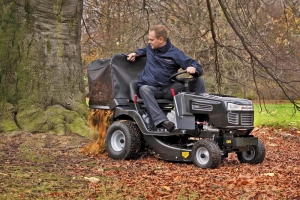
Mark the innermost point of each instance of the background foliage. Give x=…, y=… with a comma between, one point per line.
x=247, y=48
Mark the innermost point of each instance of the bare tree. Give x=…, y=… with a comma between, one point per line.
x=269, y=53
x=247, y=48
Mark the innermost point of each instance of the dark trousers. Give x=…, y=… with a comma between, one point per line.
x=149, y=94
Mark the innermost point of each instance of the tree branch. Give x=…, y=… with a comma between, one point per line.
x=217, y=66
x=253, y=56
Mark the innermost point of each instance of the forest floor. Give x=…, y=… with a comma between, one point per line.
x=44, y=166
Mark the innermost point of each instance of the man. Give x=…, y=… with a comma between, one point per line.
x=163, y=60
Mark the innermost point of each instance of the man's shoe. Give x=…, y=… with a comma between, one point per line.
x=170, y=126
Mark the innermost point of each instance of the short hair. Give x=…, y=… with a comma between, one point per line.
x=160, y=31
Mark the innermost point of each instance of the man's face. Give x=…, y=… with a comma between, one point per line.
x=153, y=41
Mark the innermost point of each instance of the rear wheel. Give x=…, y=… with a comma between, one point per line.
x=255, y=155
x=206, y=154
x=123, y=140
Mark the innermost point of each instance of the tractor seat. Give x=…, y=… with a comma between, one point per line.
x=134, y=91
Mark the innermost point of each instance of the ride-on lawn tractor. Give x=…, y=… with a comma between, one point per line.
x=208, y=126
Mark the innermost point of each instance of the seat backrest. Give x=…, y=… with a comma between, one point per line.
x=134, y=91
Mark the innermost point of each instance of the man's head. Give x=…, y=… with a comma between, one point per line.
x=157, y=36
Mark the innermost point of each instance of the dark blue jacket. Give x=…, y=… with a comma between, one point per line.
x=162, y=63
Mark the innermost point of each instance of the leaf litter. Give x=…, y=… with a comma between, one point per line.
x=45, y=166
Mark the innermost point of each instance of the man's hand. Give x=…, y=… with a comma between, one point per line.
x=131, y=57
x=191, y=70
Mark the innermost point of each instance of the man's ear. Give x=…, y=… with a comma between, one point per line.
x=161, y=39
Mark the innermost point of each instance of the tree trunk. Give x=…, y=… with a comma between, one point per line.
x=42, y=88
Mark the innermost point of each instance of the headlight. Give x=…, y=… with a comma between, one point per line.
x=232, y=106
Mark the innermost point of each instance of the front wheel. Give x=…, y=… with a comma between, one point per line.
x=123, y=140
x=255, y=155
x=206, y=154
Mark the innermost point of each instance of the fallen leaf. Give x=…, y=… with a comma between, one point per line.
x=92, y=179
x=272, y=144
x=167, y=188
x=177, y=178
x=268, y=174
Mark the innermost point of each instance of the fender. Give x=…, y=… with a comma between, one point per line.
x=136, y=116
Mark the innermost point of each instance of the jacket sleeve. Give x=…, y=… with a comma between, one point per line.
x=184, y=61
x=141, y=52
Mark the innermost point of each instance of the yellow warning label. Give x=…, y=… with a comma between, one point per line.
x=228, y=141
x=185, y=154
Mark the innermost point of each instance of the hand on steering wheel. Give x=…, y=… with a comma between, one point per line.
x=175, y=78
x=191, y=70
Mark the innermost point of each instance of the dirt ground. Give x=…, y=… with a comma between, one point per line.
x=44, y=166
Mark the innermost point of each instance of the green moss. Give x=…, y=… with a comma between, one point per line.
x=28, y=8
x=48, y=46
x=14, y=46
x=7, y=122
x=31, y=118
x=80, y=107
x=29, y=17
x=58, y=129
x=8, y=125
x=11, y=26
x=70, y=116
x=73, y=23
x=57, y=6
x=80, y=127
x=59, y=26
x=54, y=119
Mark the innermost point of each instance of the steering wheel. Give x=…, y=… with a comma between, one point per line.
x=175, y=78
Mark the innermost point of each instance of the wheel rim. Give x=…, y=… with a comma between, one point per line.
x=249, y=155
x=202, y=155
x=117, y=140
